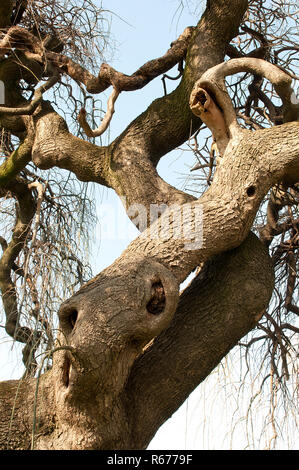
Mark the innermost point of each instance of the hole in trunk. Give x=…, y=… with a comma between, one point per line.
x=200, y=98
x=251, y=191
x=68, y=318
x=156, y=304
x=66, y=372
x=73, y=318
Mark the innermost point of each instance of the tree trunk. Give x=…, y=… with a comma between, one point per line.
x=131, y=348
x=117, y=397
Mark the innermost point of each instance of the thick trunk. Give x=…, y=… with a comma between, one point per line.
x=221, y=305
x=127, y=394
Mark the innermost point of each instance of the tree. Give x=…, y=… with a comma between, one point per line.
x=129, y=347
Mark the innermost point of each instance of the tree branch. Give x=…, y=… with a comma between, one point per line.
x=265, y=157
x=169, y=370
x=19, y=158
x=106, y=120
x=32, y=105
x=108, y=76
x=128, y=164
x=25, y=214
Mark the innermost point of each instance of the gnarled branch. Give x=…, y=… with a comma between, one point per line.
x=108, y=76
x=213, y=81
x=11, y=250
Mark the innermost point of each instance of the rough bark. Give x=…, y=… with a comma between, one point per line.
x=118, y=392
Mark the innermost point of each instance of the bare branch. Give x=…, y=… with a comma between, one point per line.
x=108, y=76
x=37, y=97
x=213, y=81
x=7, y=286
x=106, y=120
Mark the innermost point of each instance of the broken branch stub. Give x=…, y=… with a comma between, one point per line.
x=203, y=106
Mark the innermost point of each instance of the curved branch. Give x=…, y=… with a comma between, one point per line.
x=108, y=76
x=21, y=232
x=25, y=214
x=206, y=227
x=128, y=165
x=213, y=81
x=106, y=120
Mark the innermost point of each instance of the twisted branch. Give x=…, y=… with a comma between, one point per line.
x=7, y=262
x=21, y=233
x=106, y=120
